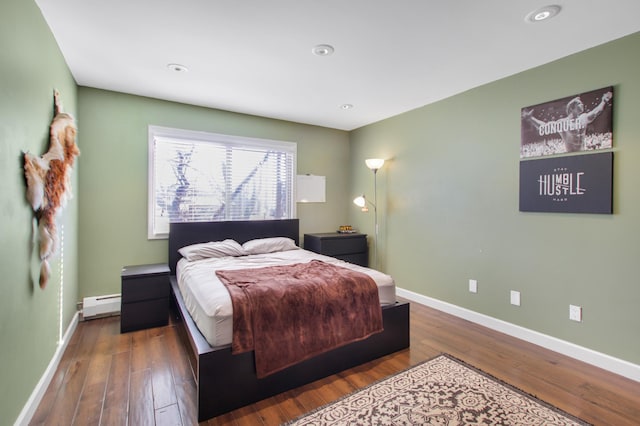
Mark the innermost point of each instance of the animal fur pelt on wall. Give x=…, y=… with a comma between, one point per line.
x=49, y=181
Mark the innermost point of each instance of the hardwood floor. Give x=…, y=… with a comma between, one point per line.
x=143, y=377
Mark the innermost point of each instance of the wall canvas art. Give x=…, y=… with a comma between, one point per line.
x=576, y=123
x=568, y=184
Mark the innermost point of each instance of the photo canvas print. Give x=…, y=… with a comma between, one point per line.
x=576, y=123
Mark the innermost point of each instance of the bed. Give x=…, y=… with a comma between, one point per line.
x=227, y=381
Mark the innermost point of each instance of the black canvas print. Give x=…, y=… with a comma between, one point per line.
x=569, y=184
x=576, y=123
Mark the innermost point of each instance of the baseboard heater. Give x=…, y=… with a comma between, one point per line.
x=101, y=306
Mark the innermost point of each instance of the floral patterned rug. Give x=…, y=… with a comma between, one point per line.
x=442, y=391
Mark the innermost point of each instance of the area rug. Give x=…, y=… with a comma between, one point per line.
x=442, y=391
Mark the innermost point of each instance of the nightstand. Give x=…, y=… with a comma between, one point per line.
x=145, y=297
x=348, y=247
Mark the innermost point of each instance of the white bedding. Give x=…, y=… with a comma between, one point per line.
x=208, y=301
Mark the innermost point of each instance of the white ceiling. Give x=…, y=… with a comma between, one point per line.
x=254, y=56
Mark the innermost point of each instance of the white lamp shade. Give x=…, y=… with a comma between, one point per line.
x=359, y=201
x=310, y=189
x=374, y=163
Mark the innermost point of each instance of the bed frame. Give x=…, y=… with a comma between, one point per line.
x=225, y=381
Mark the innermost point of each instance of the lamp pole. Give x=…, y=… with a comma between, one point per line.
x=374, y=164
x=375, y=216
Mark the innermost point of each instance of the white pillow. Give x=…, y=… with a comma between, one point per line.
x=212, y=249
x=269, y=245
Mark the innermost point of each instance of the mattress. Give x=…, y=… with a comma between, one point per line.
x=208, y=301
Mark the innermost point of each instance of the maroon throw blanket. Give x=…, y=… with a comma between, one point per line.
x=290, y=313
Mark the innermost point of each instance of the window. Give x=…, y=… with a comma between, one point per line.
x=197, y=176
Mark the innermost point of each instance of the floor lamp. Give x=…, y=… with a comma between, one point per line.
x=374, y=164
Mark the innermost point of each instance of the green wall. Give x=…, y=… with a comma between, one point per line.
x=31, y=66
x=113, y=176
x=449, y=206
x=448, y=199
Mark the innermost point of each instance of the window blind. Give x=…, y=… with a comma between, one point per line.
x=208, y=177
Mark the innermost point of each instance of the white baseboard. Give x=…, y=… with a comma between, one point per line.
x=31, y=406
x=604, y=361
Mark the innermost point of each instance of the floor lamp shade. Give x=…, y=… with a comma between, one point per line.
x=374, y=163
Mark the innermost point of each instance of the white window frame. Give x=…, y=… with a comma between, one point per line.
x=159, y=132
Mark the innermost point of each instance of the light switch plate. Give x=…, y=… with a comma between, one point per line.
x=515, y=298
x=575, y=313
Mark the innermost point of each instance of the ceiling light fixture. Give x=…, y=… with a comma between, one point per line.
x=322, y=50
x=543, y=14
x=346, y=106
x=177, y=68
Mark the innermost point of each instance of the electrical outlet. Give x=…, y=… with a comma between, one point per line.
x=515, y=298
x=575, y=313
x=473, y=286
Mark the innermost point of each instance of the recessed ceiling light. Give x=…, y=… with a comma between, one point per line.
x=346, y=106
x=177, y=68
x=543, y=14
x=322, y=50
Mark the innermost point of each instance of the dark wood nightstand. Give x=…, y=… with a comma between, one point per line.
x=348, y=247
x=145, y=297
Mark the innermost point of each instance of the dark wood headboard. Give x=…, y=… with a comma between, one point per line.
x=186, y=233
